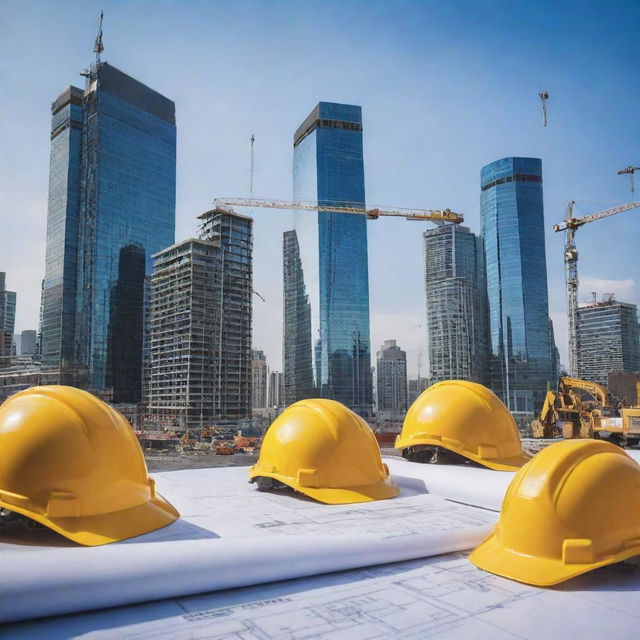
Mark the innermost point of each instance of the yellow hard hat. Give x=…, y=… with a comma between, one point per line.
x=467, y=418
x=325, y=451
x=573, y=508
x=72, y=463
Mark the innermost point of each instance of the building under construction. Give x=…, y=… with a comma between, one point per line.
x=199, y=368
x=608, y=339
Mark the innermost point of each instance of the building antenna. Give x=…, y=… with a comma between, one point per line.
x=98, y=47
x=252, y=140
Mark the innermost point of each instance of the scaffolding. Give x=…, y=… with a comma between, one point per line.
x=199, y=363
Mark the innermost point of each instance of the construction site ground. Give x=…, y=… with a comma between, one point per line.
x=178, y=461
x=197, y=460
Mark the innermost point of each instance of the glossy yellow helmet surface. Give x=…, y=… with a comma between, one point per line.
x=73, y=463
x=326, y=451
x=573, y=508
x=467, y=418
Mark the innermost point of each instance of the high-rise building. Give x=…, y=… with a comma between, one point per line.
x=332, y=251
x=415, y=388
x=555, y=356
x=512, y=228
x=260, y=379
x=276, y=390
x=7, y=320
x=184, y=316
x=234, y=232
x=111, y=207
x=297, y=354
x=456, y=307
x=28, y=341
x=199, y=363
x=607, y=340
x=391, y=377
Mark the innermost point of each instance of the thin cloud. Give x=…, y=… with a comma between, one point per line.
x=599, y=285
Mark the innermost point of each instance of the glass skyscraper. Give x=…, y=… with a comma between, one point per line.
x=512, y=226
x=111, y=207
x=332, y=251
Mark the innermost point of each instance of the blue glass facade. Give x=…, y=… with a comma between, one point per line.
x=328, y=167
x=512, y=226
x=59, y=289
x=111, y=207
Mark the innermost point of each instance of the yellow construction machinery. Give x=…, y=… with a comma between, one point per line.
x=583, y=409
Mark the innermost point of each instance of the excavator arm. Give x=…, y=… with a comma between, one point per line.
x=598, y=392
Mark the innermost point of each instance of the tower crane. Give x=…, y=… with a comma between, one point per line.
x=571, y=225
x=544, y=96
x=630, y=170
x=98, y=47
x=434, y=215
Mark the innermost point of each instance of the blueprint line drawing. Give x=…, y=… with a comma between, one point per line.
x=439, y=597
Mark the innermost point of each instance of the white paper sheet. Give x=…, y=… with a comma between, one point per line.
x=468, y=484
x=231, y=535
x=442, y=597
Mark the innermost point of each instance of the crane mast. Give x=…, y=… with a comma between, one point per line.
x=571, y=225
x=98, y=46
x=434, y=215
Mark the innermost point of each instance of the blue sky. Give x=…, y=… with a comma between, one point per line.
x=445, y=87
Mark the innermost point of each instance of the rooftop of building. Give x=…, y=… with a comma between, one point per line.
x=220, y=211
x=118, y=83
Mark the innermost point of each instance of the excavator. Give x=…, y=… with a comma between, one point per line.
x=583, y=409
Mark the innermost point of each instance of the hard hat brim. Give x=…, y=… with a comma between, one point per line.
x=502, y=464
x=104, y=528
x=512, y=463
x=365, y=493
x=540, y=572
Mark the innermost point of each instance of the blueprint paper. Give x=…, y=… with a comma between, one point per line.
x=441, y=597
x=230, y=535
x=468, y=484
x=634, y=453
x=85, y=579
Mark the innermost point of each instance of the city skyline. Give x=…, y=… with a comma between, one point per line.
x=404, y=165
